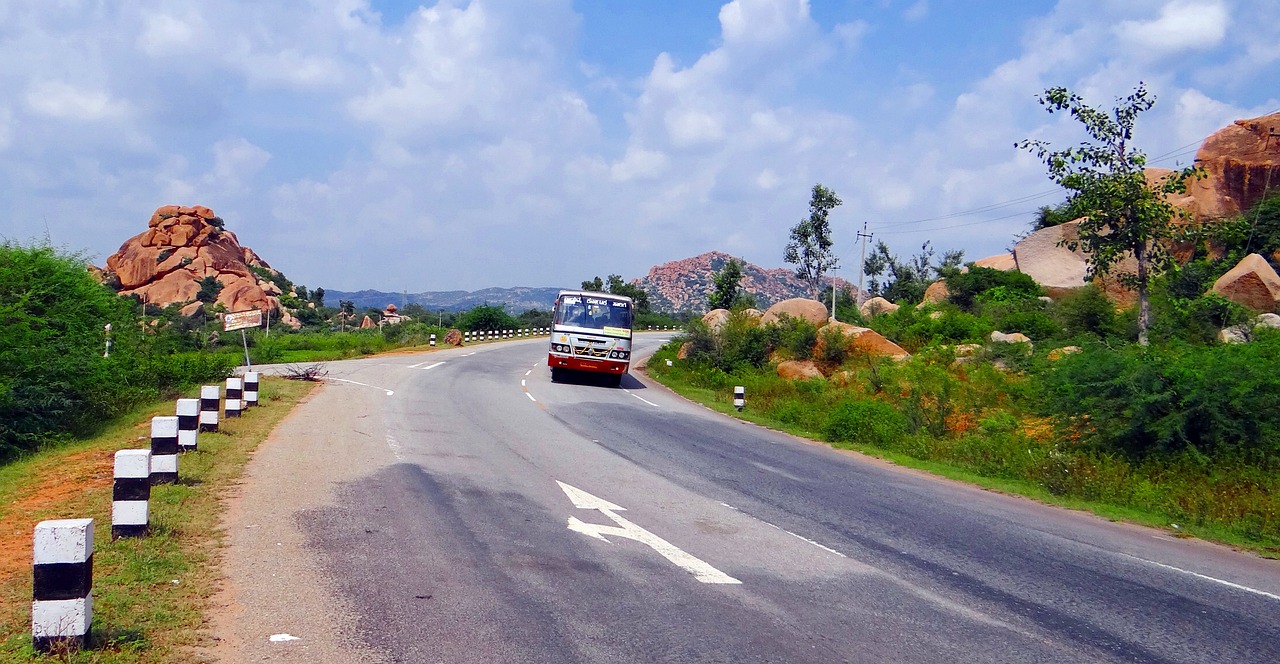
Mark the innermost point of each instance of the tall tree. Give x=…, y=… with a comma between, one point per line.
x=899, y=280
x=1123, y=214
x=810, y=247
x=725, y=285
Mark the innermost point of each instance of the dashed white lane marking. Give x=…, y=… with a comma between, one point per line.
x=799, y=537
x=1206, y=578
x=522, y=382
x=428, y=368
x=528, y=372
x=642, y=398
x=344, y=380
x=415, y=366
x=530, y=397
x=470, y=354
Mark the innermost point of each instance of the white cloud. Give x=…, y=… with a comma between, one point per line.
x=64, y=101
x=850, y=34
x=166, y=36
x=762, y=21
x=638, y=163
x=1182, y=25
x=236, y=160
x=916, y=12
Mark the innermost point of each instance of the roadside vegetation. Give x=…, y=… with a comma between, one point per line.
x=1136, y=412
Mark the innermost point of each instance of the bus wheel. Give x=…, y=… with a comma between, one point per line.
x=615, y=381
x=557, y=375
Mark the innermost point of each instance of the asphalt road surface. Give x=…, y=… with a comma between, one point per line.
x=458, y=506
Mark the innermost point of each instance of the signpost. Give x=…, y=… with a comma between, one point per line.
x=240, y=320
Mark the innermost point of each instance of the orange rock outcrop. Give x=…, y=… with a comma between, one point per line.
x=181, y=246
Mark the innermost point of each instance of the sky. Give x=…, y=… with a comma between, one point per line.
x=459, y=145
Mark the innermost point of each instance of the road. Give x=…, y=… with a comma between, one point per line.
x=457, y=506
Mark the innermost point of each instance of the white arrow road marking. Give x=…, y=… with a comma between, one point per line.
x=583, y=500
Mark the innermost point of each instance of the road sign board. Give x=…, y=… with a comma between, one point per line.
x=238, y=320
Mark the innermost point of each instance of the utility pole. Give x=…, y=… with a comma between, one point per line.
x=862, y=262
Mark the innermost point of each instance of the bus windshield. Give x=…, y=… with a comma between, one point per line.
x=606, y=314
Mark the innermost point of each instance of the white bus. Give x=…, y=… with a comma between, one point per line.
x=591, y=332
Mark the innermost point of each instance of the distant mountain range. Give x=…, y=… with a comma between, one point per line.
x=682, y=285
x=515, y=300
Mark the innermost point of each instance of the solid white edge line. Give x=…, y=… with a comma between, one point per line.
x=1206, y=578
x=645, y=400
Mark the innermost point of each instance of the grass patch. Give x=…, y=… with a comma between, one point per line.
x=964, y=423
x=149, y=594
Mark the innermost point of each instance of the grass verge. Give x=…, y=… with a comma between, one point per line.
x=149, y=594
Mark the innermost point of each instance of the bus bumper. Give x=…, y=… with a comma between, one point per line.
x=579, y=364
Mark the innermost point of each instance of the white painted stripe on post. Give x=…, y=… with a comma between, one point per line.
x=252, y=381
x=130, y=512
x=133, y=463
x=164, y=463
x=61, y=618
x=63, y=541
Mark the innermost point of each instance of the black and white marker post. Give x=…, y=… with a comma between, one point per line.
x=739, y=397
x=433, y=340
x=209, y=397
x=164, y=450
x=131, y=494
x=188, y=412
x=62, y=587
x=235, y=395
x=251, y=381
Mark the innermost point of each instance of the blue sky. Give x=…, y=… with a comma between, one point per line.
x=465, y=144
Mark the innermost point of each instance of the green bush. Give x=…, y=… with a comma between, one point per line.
x=1222, y=400
x=966, y=289
x=1086, y=311
x=797, y=337
x=866, y=422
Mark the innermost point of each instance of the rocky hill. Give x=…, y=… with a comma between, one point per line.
x=685, y=285
x=181, y=246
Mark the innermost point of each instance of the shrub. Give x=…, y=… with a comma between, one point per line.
x=834, y=350
x=797, y=337
x=987, y=284
x=866, y=422
x=1220, y=400
x=1086, y=311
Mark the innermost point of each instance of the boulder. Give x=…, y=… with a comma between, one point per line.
x=798, y=307
x=753, y=313
x=164, y=264
x=1267, y=320
x=1003, y=262
x=1059, y=353
x=685, y=349
x=966, y=350
x=367, y=323
x=936, y=293
x=843, y=378
x=876, y=306
x=1011, y=338
x=798, y=370
x=1236, y=334
x=192, y=310
x=860, y=339
x=1251, y=283
x=716, y=319
x=1239, y=161
x=453, y=337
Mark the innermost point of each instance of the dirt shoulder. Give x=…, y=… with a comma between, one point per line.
x=272, y=583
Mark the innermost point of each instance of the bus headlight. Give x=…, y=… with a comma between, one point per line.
x=619, y=354
x=560, y=348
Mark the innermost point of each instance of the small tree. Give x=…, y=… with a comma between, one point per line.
x=725, y=285
x=1122, y=213
x=810, y=247
x=906, y=280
